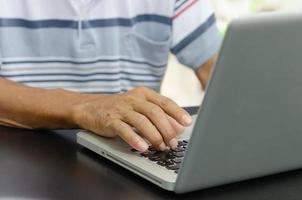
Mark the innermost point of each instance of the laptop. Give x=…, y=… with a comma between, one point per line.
x=250, y=122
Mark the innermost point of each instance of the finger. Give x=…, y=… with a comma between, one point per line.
x=170, y=107
x=177, y=126
x=129, y=136
x=146, y=129
x=159, y=118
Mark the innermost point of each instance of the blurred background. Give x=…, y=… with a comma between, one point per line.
x=187, y=91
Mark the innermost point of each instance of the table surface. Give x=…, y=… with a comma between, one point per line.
x=50, y=165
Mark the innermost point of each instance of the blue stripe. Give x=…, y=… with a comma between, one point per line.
x=107, y=92
x=54, y=23
x=195, y=34
x=180, y=5
x=83, y=62
x=81, y=75
x=103, y=92
x=90, y=80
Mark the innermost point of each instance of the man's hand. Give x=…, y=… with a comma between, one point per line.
x=156, y=118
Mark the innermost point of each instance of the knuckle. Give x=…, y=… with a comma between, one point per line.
x=156, y=140
x=169, y=133
x=114, y=124
x=180, y=113
x=130, y=100
x=110, y=120
x=155, y=111
x=108, y=117
x=119, y=108
x=134, y=140
x=133, y=96
x=141, y=120
x=113, y=128
x=142, y=90
x=166, y=102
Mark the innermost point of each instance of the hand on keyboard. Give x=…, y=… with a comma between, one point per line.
x=170, y=159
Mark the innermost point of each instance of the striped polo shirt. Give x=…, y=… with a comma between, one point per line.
x=102, y=46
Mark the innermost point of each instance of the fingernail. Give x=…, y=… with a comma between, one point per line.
x=142, y=146
x=173, y=143
x=162, y=147
x=187, y=119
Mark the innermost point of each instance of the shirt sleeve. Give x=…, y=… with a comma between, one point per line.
x=195, y=35
x=0, y=59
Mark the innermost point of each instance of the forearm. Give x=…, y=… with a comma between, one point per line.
x=157, y=118
x=203, y=73
x=27, y=107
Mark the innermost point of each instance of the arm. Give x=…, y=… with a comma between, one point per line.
x=157, y=118
x=203, y=73
x=32, y=108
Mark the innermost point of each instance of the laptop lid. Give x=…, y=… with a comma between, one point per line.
x=250, y=123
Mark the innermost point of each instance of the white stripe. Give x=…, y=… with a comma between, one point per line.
x=66, y=59
x=77, y=78
x=92, y=85
x=9, y=72
x=92, y=90
x=97, y=89
x=63, y=9
x=197, y=15
x=75, y=84
x=79, y=69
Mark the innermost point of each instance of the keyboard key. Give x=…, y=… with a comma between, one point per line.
x=144, y=154
x=161, y=163
x=173, y=167
x=178, y=149
x=179, y=154
x=169, y=162
x=133, y=150
x=170, y=159
x=151, y=148
x=154, y=158
x=166, y=155
x=177, y=160
x=180, y=143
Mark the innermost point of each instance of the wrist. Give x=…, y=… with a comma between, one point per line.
x=79, y=109
x=64, y=106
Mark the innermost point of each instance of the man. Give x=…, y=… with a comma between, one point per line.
x=88, y=63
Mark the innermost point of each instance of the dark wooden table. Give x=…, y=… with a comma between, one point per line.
x=50, y=165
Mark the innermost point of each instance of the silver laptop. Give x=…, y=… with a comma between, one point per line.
x=250, y=122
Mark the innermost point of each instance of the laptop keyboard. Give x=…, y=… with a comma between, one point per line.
x=171, y=159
